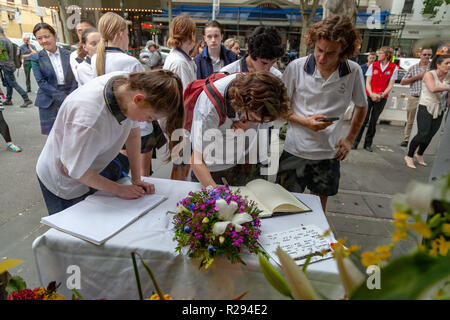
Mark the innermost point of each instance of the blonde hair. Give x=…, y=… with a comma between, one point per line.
x=181, y=29
x=109, y=25
x=388, y=51
x=229, y=43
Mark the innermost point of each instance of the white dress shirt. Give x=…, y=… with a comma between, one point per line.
x=55, y=59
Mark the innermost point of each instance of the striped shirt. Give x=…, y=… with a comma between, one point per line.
x=415, y=87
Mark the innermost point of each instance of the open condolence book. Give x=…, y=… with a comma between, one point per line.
x=100, y=216
x=272, y=198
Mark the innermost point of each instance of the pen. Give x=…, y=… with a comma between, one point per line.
x=126, y=175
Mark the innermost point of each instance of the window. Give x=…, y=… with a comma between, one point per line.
x=25, y=2
x=408, y=7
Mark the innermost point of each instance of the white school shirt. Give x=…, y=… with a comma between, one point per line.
x=312, y=95
x=181, y=64
x=120, y=61
x=74, y=64
x=237, y=66
x=55, y=59
x=85, y=73
x=204, y=119
x=85, y=136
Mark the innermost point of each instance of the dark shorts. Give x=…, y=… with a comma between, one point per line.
x=320, y=176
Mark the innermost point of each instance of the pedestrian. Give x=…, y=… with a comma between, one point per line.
x=181, y=41
x=78, y=56
x=51, y=68
x=89, y=41
x=201, y=44
x=380, y=80
x=214, y=56
x=321, y=86
x=233, y=45
x=27, y=49
x=414, y=78
x=371, y=58
x=151, y=57
x=8, y=66
x=431, y=108
x=4, y=131
x=255, y=97
x=93, y=124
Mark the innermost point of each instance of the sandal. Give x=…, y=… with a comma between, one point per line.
x=410, y=162
x=13, y=148
x=421, y=161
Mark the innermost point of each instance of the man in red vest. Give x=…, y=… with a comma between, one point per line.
x=380, y=80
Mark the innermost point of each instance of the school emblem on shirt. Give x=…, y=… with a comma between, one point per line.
x=375, y=71
x=387, y=73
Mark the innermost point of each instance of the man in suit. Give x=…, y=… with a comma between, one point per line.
x=51, y=68
x=8, y=67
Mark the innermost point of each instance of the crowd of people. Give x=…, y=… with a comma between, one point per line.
x=105, y=112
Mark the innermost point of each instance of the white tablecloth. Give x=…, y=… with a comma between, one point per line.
x=107, y=270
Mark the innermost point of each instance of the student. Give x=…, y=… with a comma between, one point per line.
x=93, y=124
x=371, y=58
x=89, y=41
x=380, y=80
x=214, y=56
x=26, y=50
x=431, y=108
x=51, y=68
x=110, y=57
x=321, y=85
x=233, y=45
x=201, y=44
x=78, y=56
x=265, y=47
x=254, y=97
x=181, y=40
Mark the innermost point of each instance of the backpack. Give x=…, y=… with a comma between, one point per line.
x=17, y=56
x=193, y=91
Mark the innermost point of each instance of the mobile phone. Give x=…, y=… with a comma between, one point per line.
x=331, y=119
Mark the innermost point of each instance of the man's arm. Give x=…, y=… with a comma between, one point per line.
x=345, y=144
x=310, y=122
x=201, y=170
x=408, y=80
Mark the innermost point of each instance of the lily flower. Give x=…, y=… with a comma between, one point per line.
x=226, y=214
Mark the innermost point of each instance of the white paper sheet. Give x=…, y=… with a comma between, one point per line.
x=100, y=216
x=299, y=243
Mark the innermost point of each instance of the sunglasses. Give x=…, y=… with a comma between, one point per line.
x=427, y=54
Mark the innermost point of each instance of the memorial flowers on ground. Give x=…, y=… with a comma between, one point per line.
x=216, y=222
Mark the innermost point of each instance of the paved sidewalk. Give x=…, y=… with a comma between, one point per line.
x=361, y=211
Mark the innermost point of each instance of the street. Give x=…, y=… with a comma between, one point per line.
x=361, y=211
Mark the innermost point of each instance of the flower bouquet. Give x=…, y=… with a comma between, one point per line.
x=216, y=222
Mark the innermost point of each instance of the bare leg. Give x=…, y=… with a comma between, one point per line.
x=146, y=163
x=323, y=201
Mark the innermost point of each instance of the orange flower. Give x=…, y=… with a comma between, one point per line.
x=369, y=258
x=156, y=297
x=421, y=228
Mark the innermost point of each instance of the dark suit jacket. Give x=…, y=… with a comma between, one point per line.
x=48, y=91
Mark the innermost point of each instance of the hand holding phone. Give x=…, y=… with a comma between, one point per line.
x=331, y=119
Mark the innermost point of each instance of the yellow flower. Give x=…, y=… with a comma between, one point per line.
x=326, y=233
x=434, y=248
x=369, y=258
x=400, y=225
x=399, y=215
x=399, y=235
x=421, y=228
x=444, y=246
x=156, y=297
x=446, y=229
x=354, y=248
x=383, y=252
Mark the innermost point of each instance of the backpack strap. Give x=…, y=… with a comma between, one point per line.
x=216, y=98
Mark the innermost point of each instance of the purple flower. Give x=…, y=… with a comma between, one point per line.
x=211, y=249
x=191, y=206
x=187, y=229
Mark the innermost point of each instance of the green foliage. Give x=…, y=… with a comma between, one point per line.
x=432, y=7
x=15, y=284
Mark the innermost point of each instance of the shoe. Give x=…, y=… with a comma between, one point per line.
x=409, y=162
x=7, y=103
x=420, y=160
x=368, y=148
x=13, y=148
x=26, y=103
x=404, y=144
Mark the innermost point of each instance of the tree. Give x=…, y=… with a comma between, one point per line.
x=308, y=11
x=432, y=7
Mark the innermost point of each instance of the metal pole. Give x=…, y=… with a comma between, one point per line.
x=169, y=8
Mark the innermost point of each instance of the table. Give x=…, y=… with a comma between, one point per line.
x=106, y=271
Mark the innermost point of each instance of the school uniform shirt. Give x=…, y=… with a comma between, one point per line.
x=55, y=59
x=312, y=95
x=181, y=64
x=88, y=133
x=84, y=70
x=205, y=117
x=74, y=62
x=117, y=60
x=241, y=66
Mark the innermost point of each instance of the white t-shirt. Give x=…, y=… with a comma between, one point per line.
x=85, y=136
x=237, y=66
x=207, y=135
x=312, y=95
x=85, y=73
x=182, y=65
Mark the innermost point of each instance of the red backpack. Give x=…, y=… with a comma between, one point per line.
x=193, y=91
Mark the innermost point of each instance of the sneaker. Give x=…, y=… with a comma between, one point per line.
x=26, y=103
x=7, y=103
x=404, y=144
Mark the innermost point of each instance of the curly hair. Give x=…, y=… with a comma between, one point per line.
x=336, y=29
x=265, y=43
x=261, y=92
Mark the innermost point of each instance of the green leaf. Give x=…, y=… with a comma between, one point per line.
x=274, y=277
x=15, y=284
x=407, y=278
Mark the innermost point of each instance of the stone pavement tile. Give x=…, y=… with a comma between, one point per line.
x=349, y=204
x=358, y=225
x=380, y=206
